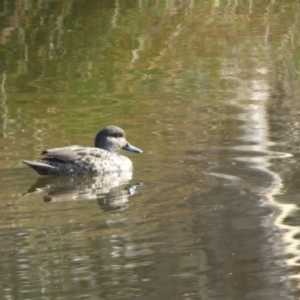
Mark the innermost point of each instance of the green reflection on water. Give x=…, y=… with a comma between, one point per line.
x=165, y=71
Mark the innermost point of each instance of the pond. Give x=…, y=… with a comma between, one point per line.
x=209, y=91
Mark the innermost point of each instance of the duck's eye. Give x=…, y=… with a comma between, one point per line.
x=118, y=135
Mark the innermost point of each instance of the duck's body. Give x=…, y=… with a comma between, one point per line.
x=78, y=160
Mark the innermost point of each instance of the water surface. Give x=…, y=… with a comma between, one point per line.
x=209, y=92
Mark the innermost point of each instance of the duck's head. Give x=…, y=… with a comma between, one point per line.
x=113, y=139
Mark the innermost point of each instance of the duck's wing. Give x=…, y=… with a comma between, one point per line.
x=64, y=154
x=92, y=151
x=56, y=161
x=74, y=152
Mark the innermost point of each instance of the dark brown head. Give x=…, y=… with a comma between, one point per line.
x=112, y=138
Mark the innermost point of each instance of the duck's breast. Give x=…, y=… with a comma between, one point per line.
x=112, y=163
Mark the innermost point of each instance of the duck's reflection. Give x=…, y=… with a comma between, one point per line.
x=112, y=191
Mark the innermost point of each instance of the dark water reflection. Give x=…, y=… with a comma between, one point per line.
x=209, y=92
x=109, y=190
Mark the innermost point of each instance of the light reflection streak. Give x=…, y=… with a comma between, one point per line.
x=256, y=130
x=4, y=106
x=252, y=100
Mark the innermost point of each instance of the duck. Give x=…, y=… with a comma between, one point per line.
x=103, y=158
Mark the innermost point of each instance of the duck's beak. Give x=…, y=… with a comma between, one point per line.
x=132, y=148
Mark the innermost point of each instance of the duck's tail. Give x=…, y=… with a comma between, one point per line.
x=40, y=167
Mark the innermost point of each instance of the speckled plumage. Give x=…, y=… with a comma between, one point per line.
x=78, y=160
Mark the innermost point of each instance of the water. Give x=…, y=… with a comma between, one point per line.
x=209, y=92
